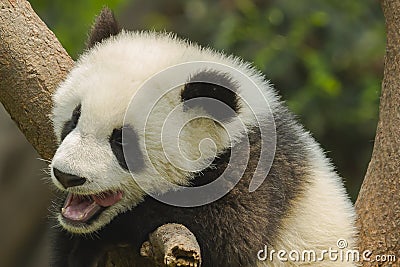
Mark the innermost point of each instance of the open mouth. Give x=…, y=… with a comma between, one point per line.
x=82, y=208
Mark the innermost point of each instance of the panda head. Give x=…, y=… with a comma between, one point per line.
x=170, y=135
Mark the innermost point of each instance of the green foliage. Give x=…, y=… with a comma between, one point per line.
x=71, y=20
x=324, y=57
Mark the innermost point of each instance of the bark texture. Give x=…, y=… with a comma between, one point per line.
x=378, y=203
x=32, y=64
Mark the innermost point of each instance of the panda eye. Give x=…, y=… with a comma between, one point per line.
x=116, y=137
x=130, y=145
x=70, y=125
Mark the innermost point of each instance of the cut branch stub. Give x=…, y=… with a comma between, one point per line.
x=172, y=245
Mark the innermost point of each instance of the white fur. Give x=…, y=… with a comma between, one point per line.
x=318, y=219
x=104, y=80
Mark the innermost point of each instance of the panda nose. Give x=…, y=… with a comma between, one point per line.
x=68, y=180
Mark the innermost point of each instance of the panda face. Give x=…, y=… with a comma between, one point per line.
x=89, y=167
x=93, y=118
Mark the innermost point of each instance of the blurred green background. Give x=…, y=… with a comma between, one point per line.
x=324, y=57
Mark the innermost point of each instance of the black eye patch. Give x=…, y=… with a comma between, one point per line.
x=129, y=144
x=70, y=125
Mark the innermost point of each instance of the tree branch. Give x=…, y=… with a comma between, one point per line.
x=32, y=64
x=378, y=203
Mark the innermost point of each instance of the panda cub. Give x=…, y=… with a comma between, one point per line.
x=153, y=129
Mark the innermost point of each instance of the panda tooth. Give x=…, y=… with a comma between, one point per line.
x=62, y=210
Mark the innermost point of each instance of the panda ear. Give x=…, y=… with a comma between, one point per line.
x=104, y=26
x=212, y=91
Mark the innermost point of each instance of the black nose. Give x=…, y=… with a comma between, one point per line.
x=68, y=180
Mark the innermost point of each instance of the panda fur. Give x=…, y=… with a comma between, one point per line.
x=301, y=205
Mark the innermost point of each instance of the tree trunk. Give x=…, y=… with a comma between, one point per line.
x=378, y=203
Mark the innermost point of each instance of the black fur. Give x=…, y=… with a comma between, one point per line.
x=231, y=230
x=104, y=27
x=213, y=172
x=215, y=86
x=130, y=146
x=70, y=125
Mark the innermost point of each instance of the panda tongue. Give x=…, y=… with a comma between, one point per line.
x=107, y=199
x=83, y=208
